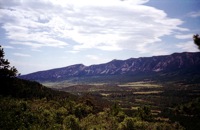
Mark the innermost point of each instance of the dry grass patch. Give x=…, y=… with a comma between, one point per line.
x=140, y=85
x=148, y=92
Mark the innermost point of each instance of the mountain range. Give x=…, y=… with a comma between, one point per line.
x=167, y=66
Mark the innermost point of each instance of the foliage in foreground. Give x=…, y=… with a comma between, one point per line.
x=44, y=114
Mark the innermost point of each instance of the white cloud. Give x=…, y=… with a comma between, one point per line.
x=21, y=55
x=111, y=26
x=188, y=46
x=73, y=52
x=194, y=14
x=25, y=27
x=81, y=3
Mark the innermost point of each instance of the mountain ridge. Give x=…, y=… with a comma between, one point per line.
x=131, y=66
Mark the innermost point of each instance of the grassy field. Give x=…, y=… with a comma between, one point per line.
x=128, y=94
x=139, y=85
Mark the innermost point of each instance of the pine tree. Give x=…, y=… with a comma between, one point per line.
x=196, y=40
x=5, y=69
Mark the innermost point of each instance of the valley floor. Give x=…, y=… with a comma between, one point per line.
x=167, y=101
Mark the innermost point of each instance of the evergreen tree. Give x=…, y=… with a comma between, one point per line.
x=5, y=69
x=144, y=113
x=196, y=40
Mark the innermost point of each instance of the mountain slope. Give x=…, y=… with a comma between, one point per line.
x=24, y=89
x=177, y=62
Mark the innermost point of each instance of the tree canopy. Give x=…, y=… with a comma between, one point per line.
x=196, y=40
x=5, y=69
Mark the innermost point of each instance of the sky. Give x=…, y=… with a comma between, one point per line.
x=45, y=34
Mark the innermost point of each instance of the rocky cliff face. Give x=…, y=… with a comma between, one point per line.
x=133, y=66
